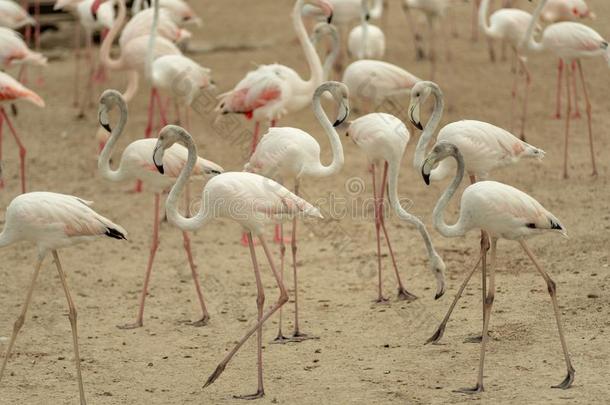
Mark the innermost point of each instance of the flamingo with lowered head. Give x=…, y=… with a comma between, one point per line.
x=366, y=41
x=53, y=221
x=290, y=153
x=136, y=163
x=251, y=200
x=503, y=212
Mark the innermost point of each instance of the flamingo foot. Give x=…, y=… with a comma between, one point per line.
x=128, y=326
x=257, y=395
x=405, y=295
x=474, y=390
x=437, y=336
x=381, y=300
x=301, y=337
x=567, y=382
x=201, y=322
x=280, y=339
x=474, y=339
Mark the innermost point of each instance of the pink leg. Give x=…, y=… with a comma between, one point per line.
x=262, y=317
x=150, y=114
x=575, y=91
x=567, y=128
x=559, y=80
x=528, y=83
x=513, y=96
x=205, y=316
x=403, y=294
x=244, y=235
x=162, y=112
x=86, y=100
x=589, y=124
x=280, y=338
x=474, y=20
x=22, y=150
x=380, y=297
x=151, y=258
x=77, y=52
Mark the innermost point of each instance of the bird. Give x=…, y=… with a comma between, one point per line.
x=570, y=41
x=509, y=25
x=272, y=91
x=11, y=90
x=320, y=31
x=136, y=164
x=15, y=52
x=503, y=212
x=373, y=82
x=383, y=138
x=13, y=16
x=291, y=153
x=484, y=147
x=251, y=200
x=566, y=10
x=53, y=221
x=180, y=11
x=366, y=41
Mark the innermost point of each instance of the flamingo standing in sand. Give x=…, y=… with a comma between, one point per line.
x=383, y=138
x=570, y=41
x=53, y=221
x=11, y=90
x=136, y=163
x=251, y=200
x=366, y=41
x=503, y=212
x=484, y=147
x=290, y=153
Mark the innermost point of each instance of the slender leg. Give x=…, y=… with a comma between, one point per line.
x=567, y=382
x=380, y=297
x=1, y=131
x=151, y=258
x=150, y=114
x=513, y=95
x=489, y=299
x=77, y=50
x=484, y=247
x=474, y=21
x=588, y=109
x=559, y=80
x=567, y=128
x=72, y=317
x=417, y=38
x=403, y=294
x=280, y=338
x=21, y=319
x=576, y=114
x=205, y=315
x=528, y=82
x=162, y=111
x=22, y=150
x=244, y=235
x=281, y=301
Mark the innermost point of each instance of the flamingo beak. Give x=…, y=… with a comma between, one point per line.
x=103, y=119
x=158, y=157
x=343, y=113
x=414, y=116
x=330, y=18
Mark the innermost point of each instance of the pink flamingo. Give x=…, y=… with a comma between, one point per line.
x=136, y=163
x=11, y=90
x=53, y=221
x=566, y=10
x=286, y=152
x=251, y=200
x=503, y=212
x=383, y=138
x=570, y=41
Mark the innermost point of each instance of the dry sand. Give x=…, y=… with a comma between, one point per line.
x=367, y=353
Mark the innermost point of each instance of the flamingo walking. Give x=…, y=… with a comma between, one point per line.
x=53, y=221
x=570, y=41
x=366, y=41
x=136, y=163
x=383, y=138
x=290, y=153
x=251, y=200
x=484, y=147
x=11, y=90
x=503, y=212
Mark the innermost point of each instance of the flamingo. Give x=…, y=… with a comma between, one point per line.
x=366, y=41
x=566, y=10
x=503, y=212
x=53, y=221
x=15, y=52
x=374, y=81
x=13, y=16
x=181, y=11
x=135, y=164
x=11, y=90
x=286, y=152
x=383, y=138
x=570, y=41
x=319, y=31
x=251, y=200
x=510, y=25
x=484, y=147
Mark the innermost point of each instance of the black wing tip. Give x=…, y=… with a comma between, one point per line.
x=115, y=234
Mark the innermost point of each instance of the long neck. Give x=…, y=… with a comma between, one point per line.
x=483, y=11
x=377, y=9
x=6, y=237
x=103, y=161
x=313, y=60
x=105, y=57
x=438, y=214
x=365, y=29
x=152, y=39
x=430, y=129
x=319, y=170
x=330, y=60
x=528, y=40
x=174, y=216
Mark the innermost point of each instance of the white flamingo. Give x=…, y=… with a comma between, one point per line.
x=366, y=41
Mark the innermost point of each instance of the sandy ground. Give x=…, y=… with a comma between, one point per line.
x=367, y=353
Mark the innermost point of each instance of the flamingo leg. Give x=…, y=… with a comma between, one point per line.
x=589, y=124
x=567, y=382
x=77, y=51
x=417, y=38
x=380, y=297
x=205, y=315
x=489, y=299
x=151, y=258
x=21, y=319
x=567, y=128
x=162, y=110
x=1, y=165
x=575, y=90
x=22, y=150
x=559, y=80
x=528, y=83
x=86, y=100
x=72, y=316
x=475, y=20
x=261, y=318
x=513, y=95
x=150, y=113
x=280, y=338
x=403, y=294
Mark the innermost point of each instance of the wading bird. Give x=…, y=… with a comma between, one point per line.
x=366, y=41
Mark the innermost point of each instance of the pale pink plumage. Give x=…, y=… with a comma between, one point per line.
x=12, y=90
x=13, y=16
x=141, y=24
x=565, y=10
x=181, y=77
x=14, y=51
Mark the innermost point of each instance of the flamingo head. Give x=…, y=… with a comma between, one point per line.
x=441, y=151
x=419, y=94
x=437, y=267
x=109, y=99
x=169, y=135
x=581, y=10
x=340, y=94
x=325, y=6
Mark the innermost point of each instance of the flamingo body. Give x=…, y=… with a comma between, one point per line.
x=571, y=40
x=181, y=76
x=13, y=16
x=14, y=51
x=382, y=137
x=374, y=48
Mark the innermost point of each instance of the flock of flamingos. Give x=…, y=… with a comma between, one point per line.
x=150, y=46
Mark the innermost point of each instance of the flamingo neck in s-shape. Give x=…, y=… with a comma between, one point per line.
x=5, y=237
x=151, y=40
x=483, y=17
x=313, y=60
x=103, y=161
x=431, y=125
x=438, y=215
x=528, y=40
x=318, y=169
x=105, y=57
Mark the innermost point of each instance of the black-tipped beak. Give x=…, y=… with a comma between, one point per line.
x=106, y=127
x=367, y=17
x=337, y=123
x=440, y=294
x=330, y=18
x=418, y=125
x=160, y=168
x=426, y=177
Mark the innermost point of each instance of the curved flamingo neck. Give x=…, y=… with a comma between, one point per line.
x=483, y=22
x=152, y=38
x=103, y=161
x=528, y=40
x=313, y=60
x=114, y=64
x=431, y=126
x=438, y=215
x=330, y=60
